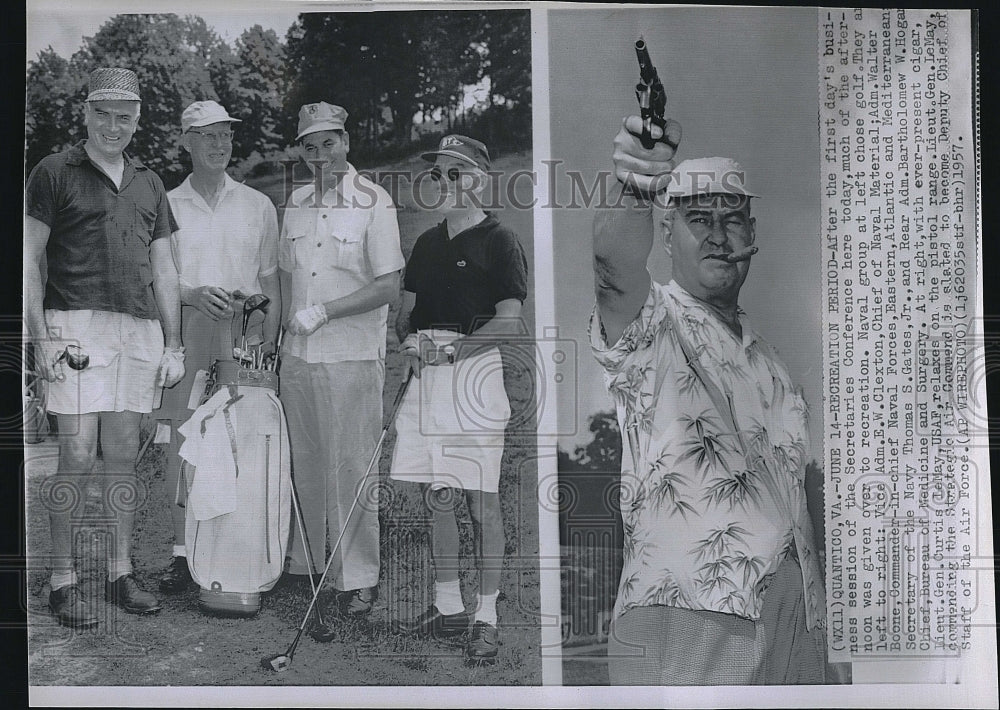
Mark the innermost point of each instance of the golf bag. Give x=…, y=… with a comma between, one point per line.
x=237, y=472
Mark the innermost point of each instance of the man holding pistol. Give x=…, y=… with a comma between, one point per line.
x=721, y=582
x=225, y=249
x=98, y=221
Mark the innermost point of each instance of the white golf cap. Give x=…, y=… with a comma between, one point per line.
x=709, y=176
x=204, y=113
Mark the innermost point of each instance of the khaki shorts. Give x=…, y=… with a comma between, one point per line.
x=124, y=353
x=450, y=426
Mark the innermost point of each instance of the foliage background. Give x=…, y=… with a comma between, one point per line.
x=404, y=77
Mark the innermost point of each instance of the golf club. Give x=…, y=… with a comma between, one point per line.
x=282, y=661
x=322, y=631
x=256, y=302
x=277, y=349
x=74, y=357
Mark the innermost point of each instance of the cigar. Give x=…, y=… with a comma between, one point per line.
x=742, y=255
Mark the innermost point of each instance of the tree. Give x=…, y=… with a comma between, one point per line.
x=250, y=83
x=604, y=451
x=393, y=64
x=54, y=92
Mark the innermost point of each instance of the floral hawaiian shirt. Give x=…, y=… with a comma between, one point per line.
x=709, y=513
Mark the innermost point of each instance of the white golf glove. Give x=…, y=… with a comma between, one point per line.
x=171, y=367
x=308, y=320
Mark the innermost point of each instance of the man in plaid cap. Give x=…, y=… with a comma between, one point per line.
x=339, y=259
x=98, y=222
x=721, y=581
x=465, y=283
x=226, y=248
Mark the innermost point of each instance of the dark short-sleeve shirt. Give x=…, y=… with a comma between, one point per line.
x=100, y=235
x=459, y=281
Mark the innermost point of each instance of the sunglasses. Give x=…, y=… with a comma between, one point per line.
x=452, y=174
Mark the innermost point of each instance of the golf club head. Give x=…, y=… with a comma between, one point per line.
x=322, y=633
x=278, y=664
x=256, y=302
x=74, y=357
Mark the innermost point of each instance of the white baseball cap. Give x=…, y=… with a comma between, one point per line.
x=708, y=176
x=204, y=113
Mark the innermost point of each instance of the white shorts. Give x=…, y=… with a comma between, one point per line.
x=450, y=426
x=124, y=353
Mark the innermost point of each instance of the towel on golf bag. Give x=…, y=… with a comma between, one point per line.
x=210, y=447
x=242, y=457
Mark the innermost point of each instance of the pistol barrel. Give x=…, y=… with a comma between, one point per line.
x=647, y=72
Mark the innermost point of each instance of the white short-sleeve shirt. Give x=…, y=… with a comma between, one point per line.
x=231, y=246
x=332, y=249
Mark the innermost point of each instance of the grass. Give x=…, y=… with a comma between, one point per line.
x=181, y=646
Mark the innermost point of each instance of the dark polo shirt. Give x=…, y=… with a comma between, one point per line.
x=459, y=281
x=99, y=245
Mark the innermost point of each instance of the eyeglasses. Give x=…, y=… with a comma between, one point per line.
x=217, y=137
x=452, y=174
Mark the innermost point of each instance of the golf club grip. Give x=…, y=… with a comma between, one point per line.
x=399, y=398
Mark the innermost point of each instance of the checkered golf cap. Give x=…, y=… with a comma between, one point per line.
x=113, y=84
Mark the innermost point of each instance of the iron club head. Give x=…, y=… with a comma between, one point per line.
x=278, y=664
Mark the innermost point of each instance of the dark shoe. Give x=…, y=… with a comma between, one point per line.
x=72, y=610
x=126, y=593
x=435, y=624
x=177, y=577
x=356, y=603
x=484, y=644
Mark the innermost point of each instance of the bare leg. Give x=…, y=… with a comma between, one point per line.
x=68, y=493
x=444, y=533
x=490, y=544
x=120, y=444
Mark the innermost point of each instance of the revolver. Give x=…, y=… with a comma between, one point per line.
x=651, y=95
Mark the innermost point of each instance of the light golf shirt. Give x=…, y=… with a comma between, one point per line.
x=332, y=250
x=703, y=528
x=229, y=247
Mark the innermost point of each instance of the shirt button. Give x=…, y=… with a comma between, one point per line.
x=324, y=216
x=319, y=244
x=314, y=273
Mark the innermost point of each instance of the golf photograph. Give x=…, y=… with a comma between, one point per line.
x=279, y=384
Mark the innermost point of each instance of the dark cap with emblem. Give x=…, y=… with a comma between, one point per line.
x=466, y=149
x=113, y=84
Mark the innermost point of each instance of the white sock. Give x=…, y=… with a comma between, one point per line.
x=487, y=610
x=58, y=580
x=448, y=597
x=119, y=568
x=180, y=551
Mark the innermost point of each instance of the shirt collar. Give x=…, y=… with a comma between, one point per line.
x=77, y=155
x=699, y=312
x=488, y=223
x=345, y=186
x=186, y=190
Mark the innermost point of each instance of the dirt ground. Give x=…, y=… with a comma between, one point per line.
x=182, y=647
